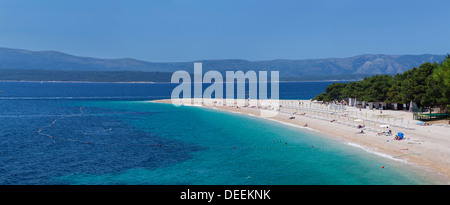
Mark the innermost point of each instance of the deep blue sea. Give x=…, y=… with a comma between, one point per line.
x=108, y=133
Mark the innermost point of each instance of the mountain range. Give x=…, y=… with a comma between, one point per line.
x=19, y=59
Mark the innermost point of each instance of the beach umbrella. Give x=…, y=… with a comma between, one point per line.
x=400, y=135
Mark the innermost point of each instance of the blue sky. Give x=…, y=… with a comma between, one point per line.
x=188, y=30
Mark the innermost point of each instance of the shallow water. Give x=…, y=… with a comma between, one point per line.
x=121, y=139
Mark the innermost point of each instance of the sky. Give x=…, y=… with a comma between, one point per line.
x=189, y=30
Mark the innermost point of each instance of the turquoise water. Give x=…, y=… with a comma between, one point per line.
x=116, y=138
x=238, y=149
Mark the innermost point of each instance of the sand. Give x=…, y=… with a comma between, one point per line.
x=424, y=146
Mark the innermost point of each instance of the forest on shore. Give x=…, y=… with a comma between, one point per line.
x=427, y=86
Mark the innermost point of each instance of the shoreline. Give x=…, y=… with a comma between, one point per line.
x=150, y=82
x=424, y=147
x=26, y=81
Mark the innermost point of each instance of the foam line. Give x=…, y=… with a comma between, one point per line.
x=376, y=153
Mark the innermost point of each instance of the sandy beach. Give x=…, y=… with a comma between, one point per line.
x=423, y=146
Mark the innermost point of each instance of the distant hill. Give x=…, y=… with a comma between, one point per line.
x=17, y=59
x=83, y=76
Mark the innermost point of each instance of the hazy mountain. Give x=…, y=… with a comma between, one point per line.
x=362, y=64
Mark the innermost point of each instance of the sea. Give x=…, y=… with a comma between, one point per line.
x=56, y=133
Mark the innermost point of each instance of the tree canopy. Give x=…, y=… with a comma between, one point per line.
x=428, y=86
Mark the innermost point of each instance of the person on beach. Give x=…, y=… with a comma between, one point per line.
x=306, y=125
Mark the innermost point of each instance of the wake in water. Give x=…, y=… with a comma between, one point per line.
x=44, y=131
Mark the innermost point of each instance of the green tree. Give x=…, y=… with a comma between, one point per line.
x=320, y=97
x=353, y=90
x=376, y=88
x=334, y=91
x=412, y=85
x=428, y=85
x=438, y=86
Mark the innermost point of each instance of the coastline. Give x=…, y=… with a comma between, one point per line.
x=150, y=82
x=25, y=81
x=424, y=146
